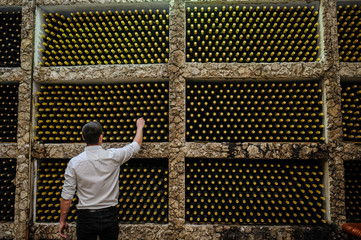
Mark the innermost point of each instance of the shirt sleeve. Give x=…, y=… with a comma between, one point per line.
x=122, y=155
x=69, y=186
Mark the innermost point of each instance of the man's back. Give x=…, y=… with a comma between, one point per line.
x=96, y=172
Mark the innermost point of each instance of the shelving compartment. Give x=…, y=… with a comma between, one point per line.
x=103, y=34
x=353, y=190
x=143, y=185
x=289, y=111
x=63, y=109
x=272, y=192
x=349, y=32
x=351, y=118
x=10, y=36
x=8, y=112
x=7, y=189
x=252, y=33
x=144, y=191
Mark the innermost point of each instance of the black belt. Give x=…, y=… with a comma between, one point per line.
x=97, y=210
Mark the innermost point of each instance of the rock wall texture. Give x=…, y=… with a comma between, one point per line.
x=20, y=150
x=329, y=71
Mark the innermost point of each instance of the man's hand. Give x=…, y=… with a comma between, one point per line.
x=139, y=134
x=63, y=227
x=140, y=123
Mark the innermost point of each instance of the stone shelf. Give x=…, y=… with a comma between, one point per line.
x=6, y=230
x=70, y=150
x=212, y=231
x=257, y=150
x=101, y=73
x=350, y=70
x=254, y=71
x=8, y=150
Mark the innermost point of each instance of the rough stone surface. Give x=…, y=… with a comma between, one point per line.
x=101, y=73
x=67, y=151
x=8, y=150
x=20, y=150
x=271, y=71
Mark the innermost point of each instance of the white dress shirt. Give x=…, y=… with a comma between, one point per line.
x=94, y=174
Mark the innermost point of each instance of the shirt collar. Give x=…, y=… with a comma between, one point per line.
x=90, y=148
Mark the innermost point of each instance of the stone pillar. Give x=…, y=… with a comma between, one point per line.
x=20, y=150
x=176, y=116
x=334, y=174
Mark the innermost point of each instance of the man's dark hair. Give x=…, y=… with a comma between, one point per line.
x=91, y=132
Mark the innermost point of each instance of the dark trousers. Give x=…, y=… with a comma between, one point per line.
x=93, y=223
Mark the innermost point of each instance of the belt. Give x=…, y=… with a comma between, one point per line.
x=97, y=210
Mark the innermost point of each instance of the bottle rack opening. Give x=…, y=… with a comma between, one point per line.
x=143, y=185
x=7, y=189
x=349, y=31
x=254, y=111
x=8, y=112
x=353, y=190
x=105, y=35
x=351, y=96
x=62, y=110
x=50, y=179
x=144, y=191
x=254, y=191
x=10, y=36
x=252, y=33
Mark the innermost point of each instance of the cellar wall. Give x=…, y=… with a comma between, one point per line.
x=328, y=71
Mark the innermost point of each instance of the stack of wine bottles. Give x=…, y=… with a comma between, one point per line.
x=10, y=37
x=144, y=191
x=254, y=192
x=49, y=184
x=8, y=112
x=246, y=33
x=7, y=188
x=254, y=111
x=143, y=194
x=351, y=117
x=353, y=190
x=64, y=109
x=349, y=31
x=109, y=37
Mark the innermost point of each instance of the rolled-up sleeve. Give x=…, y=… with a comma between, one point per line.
x=125, y=153
x=69, y=186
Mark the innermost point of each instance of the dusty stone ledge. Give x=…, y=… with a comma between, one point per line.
x=14, y=2
x=294, y=232
x=351, y=151
x=9, y=150
x=350, y=70
x=14, y=75
x=69, y=150
x=257, y=150
x=126, y=231
x=101, y=73
x=6, y=230
x=254, y=71
x=201, y=231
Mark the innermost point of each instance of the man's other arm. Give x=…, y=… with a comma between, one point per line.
x=64, y=210
x=67, y=194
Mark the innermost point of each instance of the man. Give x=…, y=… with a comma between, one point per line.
x=94, y=174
